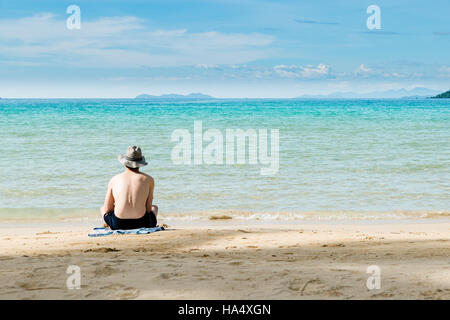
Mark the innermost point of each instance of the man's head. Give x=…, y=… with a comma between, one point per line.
x=133, y=159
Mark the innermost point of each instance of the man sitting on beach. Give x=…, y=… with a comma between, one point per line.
x=128, y=202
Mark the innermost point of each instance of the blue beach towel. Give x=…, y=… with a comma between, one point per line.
x=100, y=232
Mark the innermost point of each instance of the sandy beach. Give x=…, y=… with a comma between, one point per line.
x=224, y=260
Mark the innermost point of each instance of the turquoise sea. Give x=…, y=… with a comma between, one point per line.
x=338, y=159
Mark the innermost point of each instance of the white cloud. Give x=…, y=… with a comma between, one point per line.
x=307, y=72
x=206, y=66
x=386, y=72
x=313, y=72
x=123, y=42
x=363, y=71
x=46, y=27
x=287, y=71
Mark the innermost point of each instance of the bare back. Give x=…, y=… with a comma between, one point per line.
x=131, y=193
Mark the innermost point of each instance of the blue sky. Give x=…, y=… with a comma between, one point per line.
x=223, y=48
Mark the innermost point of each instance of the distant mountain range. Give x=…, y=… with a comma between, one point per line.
x=445, y=95
x=415, y=93
x=191, y=96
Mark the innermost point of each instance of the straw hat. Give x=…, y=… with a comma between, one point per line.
x=133, y=158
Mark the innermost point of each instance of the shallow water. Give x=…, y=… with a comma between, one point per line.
x=339, y=158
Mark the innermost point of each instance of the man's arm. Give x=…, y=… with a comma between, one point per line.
x=108, y=205
x=150, y=195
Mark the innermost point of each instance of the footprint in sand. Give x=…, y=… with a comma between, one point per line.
x=46, y=232
x=121, y=291
x=104, y=271
x=33, y=285
x=333, y=245
x=176, y=265
x=334, y=291
x=436, y=294
x=168, y=275
x=102, y=250
x=301, y=285
x=383, y=295
x=296, y=284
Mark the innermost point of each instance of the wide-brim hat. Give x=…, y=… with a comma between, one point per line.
x=133, y=158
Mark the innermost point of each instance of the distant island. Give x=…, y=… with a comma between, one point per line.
x=444, y=95
x=414, y=93
x=191, y=96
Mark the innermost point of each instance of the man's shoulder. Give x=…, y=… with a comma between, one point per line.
x=148, y=177
x=115, y=178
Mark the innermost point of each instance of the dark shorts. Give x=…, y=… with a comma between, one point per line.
x=147, y=221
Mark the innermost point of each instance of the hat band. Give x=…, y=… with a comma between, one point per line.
x=133, y=159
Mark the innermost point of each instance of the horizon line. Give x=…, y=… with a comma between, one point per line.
x=220, y=98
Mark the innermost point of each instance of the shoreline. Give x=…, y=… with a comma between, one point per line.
x=83, y=217
x=222, y=223
x=224, y=260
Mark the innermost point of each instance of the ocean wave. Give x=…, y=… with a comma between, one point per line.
x=50, y=214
